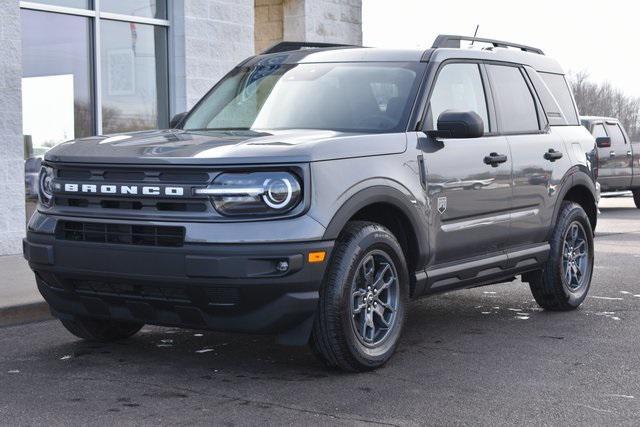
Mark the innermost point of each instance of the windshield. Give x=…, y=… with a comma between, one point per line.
x=348, y=97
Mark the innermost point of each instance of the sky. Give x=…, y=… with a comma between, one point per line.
x=601, y=38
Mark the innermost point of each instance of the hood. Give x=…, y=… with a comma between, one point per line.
x=225, y=147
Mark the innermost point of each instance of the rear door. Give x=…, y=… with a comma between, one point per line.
x=619, y=158
x=470, y=197
x=538, y=154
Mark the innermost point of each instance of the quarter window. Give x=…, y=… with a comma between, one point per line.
x=516, y=106
x=560, y=90
x=459, y=87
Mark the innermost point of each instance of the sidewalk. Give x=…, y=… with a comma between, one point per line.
x=20, y=301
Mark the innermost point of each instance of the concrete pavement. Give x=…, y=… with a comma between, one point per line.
x=20, y=301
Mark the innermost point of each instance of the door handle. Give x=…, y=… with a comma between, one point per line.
x=612, y=153
x=629, y=153
x=494, y=159
x=553, y=155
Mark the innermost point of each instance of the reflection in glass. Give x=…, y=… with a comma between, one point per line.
x=134, y=77
x=144, y=8
x=57, y=101
x=80, y=4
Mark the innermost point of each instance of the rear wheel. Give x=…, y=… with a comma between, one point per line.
x=101, y=330
x=362, y=301
x=564, y=282
x=636, y=198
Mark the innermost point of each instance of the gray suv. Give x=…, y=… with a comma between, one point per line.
x=316, y=189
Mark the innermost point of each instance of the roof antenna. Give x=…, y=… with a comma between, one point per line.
x=475, y=34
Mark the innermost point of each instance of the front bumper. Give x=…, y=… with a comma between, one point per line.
x=227, y=287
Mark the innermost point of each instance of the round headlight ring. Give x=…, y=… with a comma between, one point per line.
x=46, y=185
x=271, y=197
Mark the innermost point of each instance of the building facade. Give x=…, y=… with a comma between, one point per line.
x=75, y=68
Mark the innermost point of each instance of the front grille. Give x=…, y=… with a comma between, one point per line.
x=215, y=296
x=189, y=207
x=124, y=234
x=165, y=293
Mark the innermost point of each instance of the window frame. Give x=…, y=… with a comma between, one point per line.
x=492, y=128
x=96, y=16
x=543, y=123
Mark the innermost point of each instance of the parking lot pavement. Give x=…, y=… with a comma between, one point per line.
x=481, y=356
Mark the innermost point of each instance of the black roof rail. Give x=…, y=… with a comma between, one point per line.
x=452, y=41
x=289, y=46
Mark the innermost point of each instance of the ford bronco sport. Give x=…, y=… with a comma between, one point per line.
x=316, y=189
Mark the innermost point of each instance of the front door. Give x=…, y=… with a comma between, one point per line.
x=469, y=180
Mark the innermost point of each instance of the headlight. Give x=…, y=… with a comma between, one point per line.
x=256, y=193
x=46, y=185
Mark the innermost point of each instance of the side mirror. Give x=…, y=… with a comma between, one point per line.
x=459, y=124
x=177, y=120
x=603, y=142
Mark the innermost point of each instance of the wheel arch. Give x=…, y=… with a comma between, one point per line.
x=390, y=207
x=580, y=188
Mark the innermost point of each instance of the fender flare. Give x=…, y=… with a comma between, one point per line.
x=574, y=178
x=389, y=195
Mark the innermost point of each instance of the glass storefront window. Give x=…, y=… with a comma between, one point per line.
x=134, y=76
x=144, y=8
x=80, y=4
x=57, y=101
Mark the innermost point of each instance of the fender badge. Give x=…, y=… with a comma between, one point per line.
x=442, y=205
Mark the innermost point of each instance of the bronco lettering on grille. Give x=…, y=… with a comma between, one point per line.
x=124, y=190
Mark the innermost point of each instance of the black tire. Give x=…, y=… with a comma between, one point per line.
x=101, y=330
x=636, y=198
x=334, y=338
x=550, y=287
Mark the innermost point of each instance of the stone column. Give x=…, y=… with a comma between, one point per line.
x=209, y=37
x=12, y=203
x=332, y=21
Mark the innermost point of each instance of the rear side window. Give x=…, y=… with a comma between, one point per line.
x=598, y=131
x=617, y=137
x=459, y=87
x=516, y=106
x=549, y=104
x=560, y=90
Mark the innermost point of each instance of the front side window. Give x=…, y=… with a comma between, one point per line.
x=349, y=97
x=516, y=106
x=458, y=87
x=598, y=131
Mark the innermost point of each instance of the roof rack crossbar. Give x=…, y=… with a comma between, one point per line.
x=287, y=46
x=453, y=41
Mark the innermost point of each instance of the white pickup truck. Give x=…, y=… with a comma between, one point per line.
x=618, y=157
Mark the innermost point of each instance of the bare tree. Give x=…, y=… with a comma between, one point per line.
x=603, y=99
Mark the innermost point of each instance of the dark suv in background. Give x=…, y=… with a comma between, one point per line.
x=316, y=189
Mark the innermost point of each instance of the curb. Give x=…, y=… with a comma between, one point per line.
x=27, y=313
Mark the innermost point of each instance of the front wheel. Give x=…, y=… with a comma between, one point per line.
x=636, y=198
x=564, y=282
x=362, y=301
